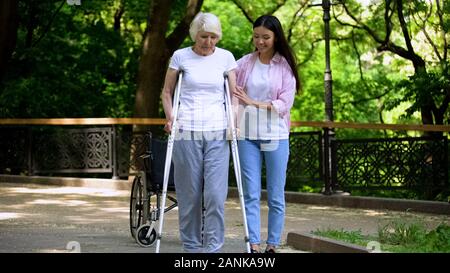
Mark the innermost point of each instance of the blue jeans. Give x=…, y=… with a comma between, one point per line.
x=276, y=155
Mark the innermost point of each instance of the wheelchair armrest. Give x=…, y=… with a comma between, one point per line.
x=145, y=155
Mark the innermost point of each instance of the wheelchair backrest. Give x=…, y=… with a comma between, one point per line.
x=158, y=159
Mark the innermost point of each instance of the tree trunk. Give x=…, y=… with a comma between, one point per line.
x=156, y=52
x=8, y=32
x=153, y=60
x=157, y=48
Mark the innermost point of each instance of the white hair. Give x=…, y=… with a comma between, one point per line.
x=207, y=22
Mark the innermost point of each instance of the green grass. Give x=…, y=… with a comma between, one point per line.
x=398, y=237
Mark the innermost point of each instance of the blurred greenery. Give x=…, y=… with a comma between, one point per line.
x=81, y=67
x=72, y=61
x=398, y=236
x=83, y=60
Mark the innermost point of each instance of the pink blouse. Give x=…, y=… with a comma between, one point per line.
x=281, y=78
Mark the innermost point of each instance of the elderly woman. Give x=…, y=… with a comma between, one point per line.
x=201, y=151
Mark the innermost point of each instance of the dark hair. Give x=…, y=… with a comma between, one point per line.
x=281, y=45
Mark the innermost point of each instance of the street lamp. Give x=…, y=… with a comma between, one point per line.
x=329, y=135
x=326, y=6
x=328, y=77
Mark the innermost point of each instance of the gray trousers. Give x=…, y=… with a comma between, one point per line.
x=201, y=163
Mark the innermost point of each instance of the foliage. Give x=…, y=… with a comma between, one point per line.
x=419, y=88
x=398, y=236
x=71, y=61
x=415, y=32
x=237, y=31
x=89, y=71
x=352, y=237
x=77, y=64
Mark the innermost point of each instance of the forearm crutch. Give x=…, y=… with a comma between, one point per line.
x=170, y=142
x=235, y=153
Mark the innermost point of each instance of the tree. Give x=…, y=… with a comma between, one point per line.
x=253, y=9
x=157, y=47
x=403, y=28
x=8, y=31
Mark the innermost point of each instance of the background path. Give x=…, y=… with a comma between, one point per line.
x=45, y=218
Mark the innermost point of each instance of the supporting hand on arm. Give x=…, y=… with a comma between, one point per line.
x=241, y=94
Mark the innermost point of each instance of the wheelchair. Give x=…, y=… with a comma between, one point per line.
x=146, y=191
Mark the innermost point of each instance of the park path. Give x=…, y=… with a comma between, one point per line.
x=46, y=218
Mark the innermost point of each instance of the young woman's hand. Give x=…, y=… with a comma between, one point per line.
x=240, y=93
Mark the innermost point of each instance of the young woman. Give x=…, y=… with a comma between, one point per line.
x=267, y=81
x=201, y=151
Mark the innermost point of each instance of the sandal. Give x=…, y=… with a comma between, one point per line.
x=270, y=249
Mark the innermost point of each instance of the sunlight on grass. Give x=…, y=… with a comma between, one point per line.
x=398, y=236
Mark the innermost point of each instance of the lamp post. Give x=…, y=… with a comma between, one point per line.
x=326, y=6
x=328, y=77
x=329, y=135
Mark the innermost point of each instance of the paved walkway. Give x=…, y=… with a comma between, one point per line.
x=49, y=218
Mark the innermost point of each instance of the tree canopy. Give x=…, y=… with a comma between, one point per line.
x=389, y=59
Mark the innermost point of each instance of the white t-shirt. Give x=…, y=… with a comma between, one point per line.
x=260, y=123
x=202, y=101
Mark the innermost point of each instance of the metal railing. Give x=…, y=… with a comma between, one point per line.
x=110, y=148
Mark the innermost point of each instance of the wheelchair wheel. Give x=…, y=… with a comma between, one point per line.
x=136, y=206
x=141, y=238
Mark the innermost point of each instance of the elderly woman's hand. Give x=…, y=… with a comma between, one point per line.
x=168, y=126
